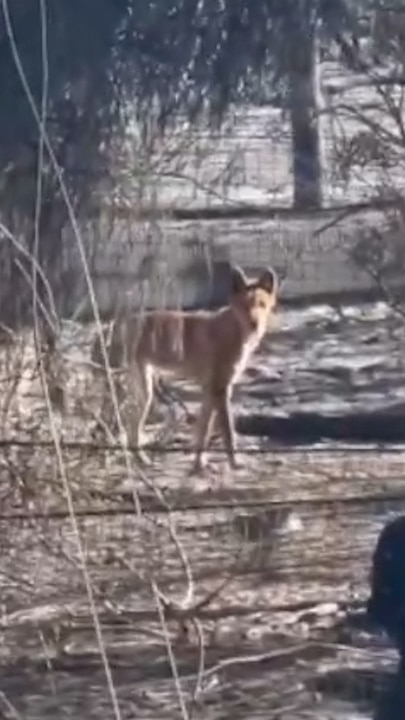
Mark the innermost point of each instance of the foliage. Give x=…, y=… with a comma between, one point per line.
x=202, y=55
x=105, y=54
x=94, y=64
x=65, y=59
x=374, y=147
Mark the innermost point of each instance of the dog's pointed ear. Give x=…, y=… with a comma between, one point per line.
x=238, y=280
x=268, y=281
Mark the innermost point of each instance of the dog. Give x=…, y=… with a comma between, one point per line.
x=211, y=348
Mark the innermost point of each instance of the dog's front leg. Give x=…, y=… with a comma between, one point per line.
x=222, y=399
x=203, y=431
x=141, y=386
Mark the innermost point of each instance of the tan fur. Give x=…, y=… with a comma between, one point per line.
x=211, y=348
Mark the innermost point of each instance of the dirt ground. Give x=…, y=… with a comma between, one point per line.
x=254, y=579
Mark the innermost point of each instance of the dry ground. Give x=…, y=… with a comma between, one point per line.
x=284, y=546
x=291, y=541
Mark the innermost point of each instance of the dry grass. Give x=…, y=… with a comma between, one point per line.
x=295, y=533
x=279, y=553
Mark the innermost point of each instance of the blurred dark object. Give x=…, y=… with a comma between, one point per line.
x=386, y=605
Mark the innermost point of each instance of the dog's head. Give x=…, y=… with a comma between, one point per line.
x=253, y=300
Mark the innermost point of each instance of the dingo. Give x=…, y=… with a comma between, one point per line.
x=211, y=348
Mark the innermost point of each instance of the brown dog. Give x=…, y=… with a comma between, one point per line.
x=211, y=348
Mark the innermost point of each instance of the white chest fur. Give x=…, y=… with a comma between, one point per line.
x=247, y=351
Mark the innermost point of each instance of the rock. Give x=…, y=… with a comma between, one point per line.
x=386, y=605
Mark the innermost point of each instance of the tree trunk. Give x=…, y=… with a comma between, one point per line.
x=304, y=94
